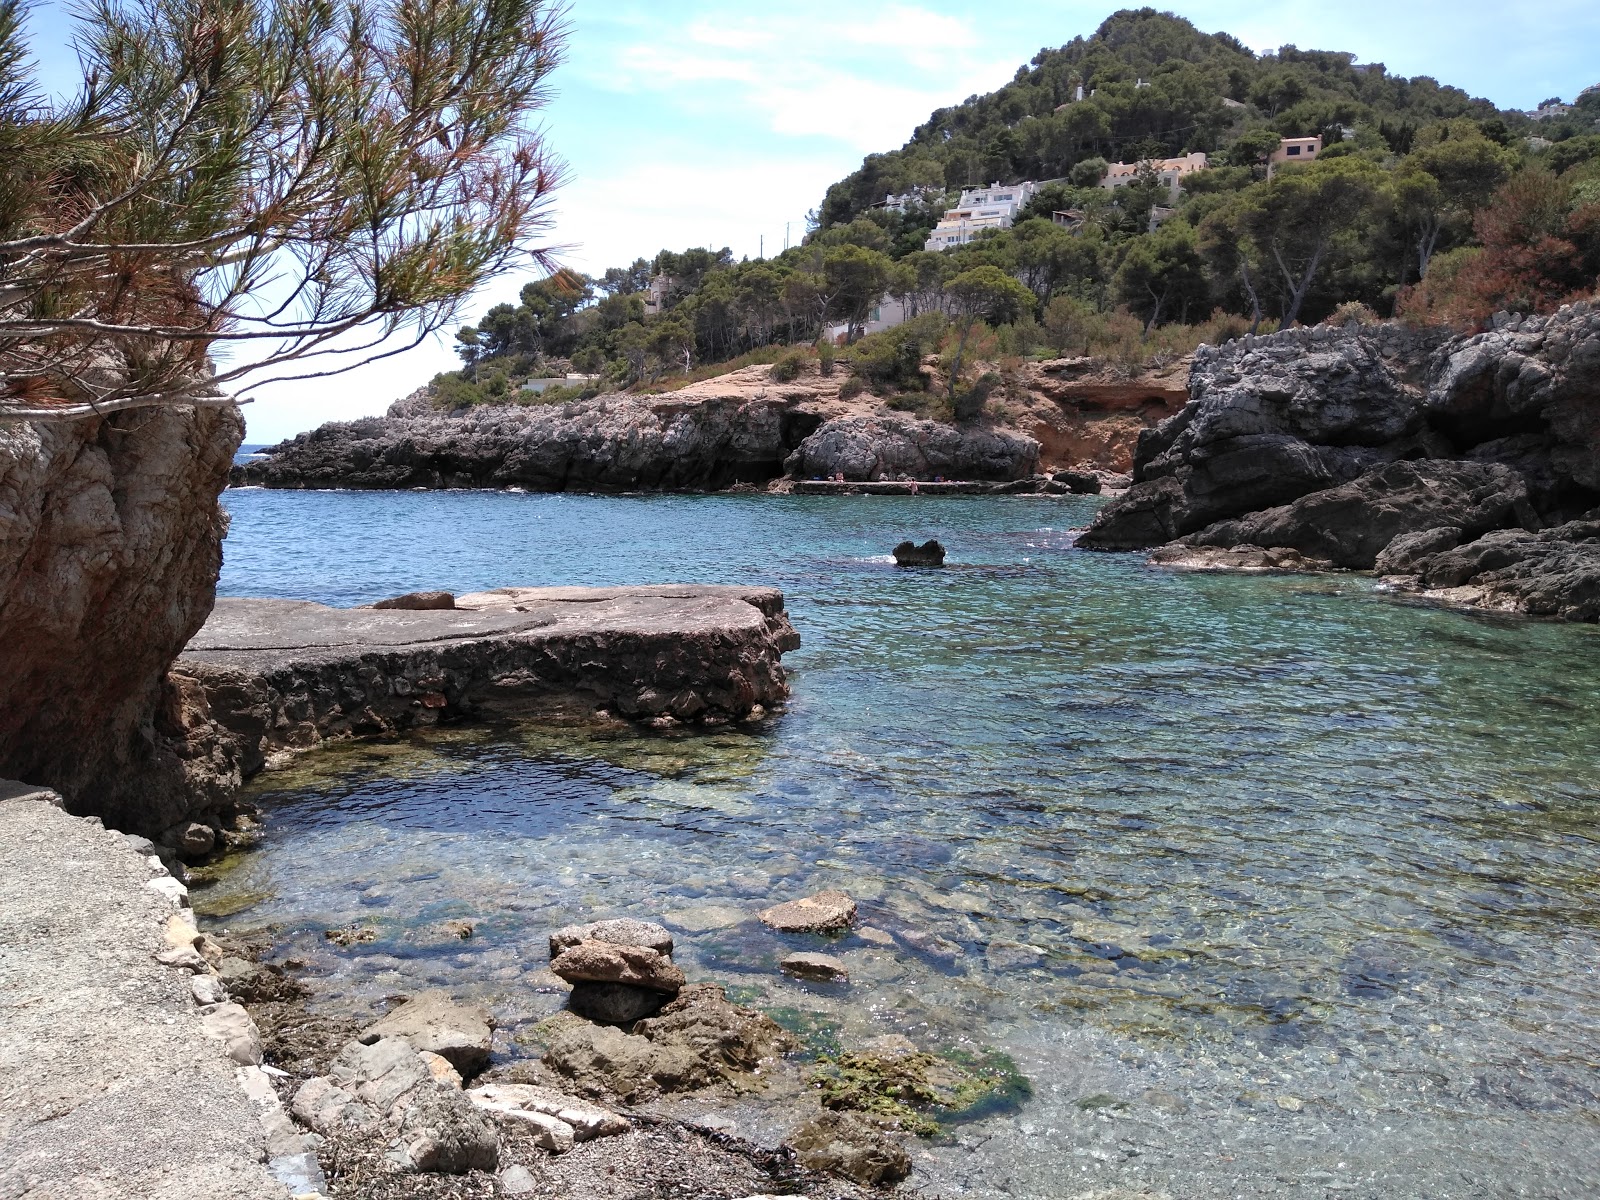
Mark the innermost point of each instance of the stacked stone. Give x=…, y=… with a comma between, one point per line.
x=621, y=971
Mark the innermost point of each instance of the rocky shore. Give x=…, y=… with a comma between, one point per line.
x=1465, y=470
x=744, y=428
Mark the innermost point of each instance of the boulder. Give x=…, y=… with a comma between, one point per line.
x=825, y=912
x=868, y=448
x=459, y=1033
x=853, y=1145
x=1552, y=573
x=824, y=967
x=419, y=602
x=587, y=1121
x=607, y=962
x=614, y=1003
x=621, y=931
x=192, y=840
x=1406, y=553
x=1351, y=524
x=909, y=554
x=1080, y=482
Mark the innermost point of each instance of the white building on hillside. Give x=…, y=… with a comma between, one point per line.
x=885, y=314
x=1171, y=171
x=917, y=195
x=980, y=209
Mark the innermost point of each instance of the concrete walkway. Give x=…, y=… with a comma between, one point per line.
x=109, y=1089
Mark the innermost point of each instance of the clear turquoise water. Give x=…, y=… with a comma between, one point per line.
x=1274, y=886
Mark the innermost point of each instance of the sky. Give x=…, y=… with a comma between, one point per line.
x=716, y=123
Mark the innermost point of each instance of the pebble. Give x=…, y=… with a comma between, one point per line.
x=208, y=989
x=877, y=937
x=517, y=1181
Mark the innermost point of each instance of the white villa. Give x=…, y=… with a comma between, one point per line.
x=980, y=209
x=1171, y=170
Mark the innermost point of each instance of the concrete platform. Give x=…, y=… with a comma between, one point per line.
x=109, y=1088
x=269, y=675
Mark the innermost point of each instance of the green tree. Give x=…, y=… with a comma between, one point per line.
x=1298, y=218
x=1162, y=273
x=299, y=178
x=856, y=279
x=982, y=294
x=1451, y=174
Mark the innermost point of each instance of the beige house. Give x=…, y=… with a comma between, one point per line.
x=1294, y=150
x=1171, y=170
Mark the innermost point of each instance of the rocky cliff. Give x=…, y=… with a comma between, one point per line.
x=110, y=547
x=1349, y=445
x=743, y=427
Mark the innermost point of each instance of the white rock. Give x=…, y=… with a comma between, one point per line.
x=516, y=1180
x=208, y=989
x=549, y=1133
x=231, y=1025
x=170, y=888
x=587, y=1120
x=441, y=1070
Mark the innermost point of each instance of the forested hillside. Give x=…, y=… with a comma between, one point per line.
x=1425, y=203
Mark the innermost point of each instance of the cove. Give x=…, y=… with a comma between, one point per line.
x=1271, y=886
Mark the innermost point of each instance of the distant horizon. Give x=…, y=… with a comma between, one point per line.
x=710, y=126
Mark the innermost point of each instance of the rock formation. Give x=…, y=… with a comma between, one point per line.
x=863, y=448
x=110, y=547
x=929, y=554
x=1355, y=445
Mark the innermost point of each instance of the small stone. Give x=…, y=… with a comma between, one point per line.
x=434, y=1022
x=826, y=912
x=1012, y=956
x=614, y=1003
x=816, y=966
x=231, y=1025
x=440, y=1069
x=192, y=840
x=1291, y=1103
x=588, y=1121
x=877, y=937
x=517, y=1180
x=549, y=1133
x=706, y=918
x=208, y=989
x=604, y=962
x=931, y=944
x=351, y=935
x=621, y=931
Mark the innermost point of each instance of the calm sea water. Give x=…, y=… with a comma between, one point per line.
x=1272, y=886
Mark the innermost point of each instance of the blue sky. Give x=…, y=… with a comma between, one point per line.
x=696, y=122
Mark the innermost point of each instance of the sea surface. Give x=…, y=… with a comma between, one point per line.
x=1271, y=886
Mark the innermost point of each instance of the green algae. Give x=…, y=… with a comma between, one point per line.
x=922, y=1093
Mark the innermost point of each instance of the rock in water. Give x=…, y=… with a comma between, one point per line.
x=419, y=602
x=1082, y=482
x=909, y=554
x=823, y=967
x=605, y=962
x=853, y=1145
x=826, y=912
x=459, y=1033
x=614, y=1003
x=622, y=931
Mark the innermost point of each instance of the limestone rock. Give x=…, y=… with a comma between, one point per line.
x=866, y=448
x=607, y=962
x=587, y=1121
x=192, y=840
x=816, y=966
x=432, y=1021
x=419, y=602
x=1248, y=560
x=232, y=1025
x=108, y=566
x=441, y=1131
x=1553, y=573
x=825, y=912
x=621, y=931
x=440, y=1070
x=614, y=1003
x=852, y=1145
x=1408, y=550
x=1080, y=482
x=929, y=554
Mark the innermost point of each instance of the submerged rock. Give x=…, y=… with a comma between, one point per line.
x=816, y=966
x=852, y=1145
x=915, y=1091
x=825, y=912
x=909, y=554
x=432, y=1021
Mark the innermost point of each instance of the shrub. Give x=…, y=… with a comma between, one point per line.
x=970, y=403
x=789, y=367
x=852, y=387
x=826, y=354
x=1352, y=312
x=892, y=360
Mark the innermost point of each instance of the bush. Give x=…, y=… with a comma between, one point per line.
x=970, y=403
x=891, y=361
x=826, y=354
x=789, y=367
x=1352, y=312
x=852, y=387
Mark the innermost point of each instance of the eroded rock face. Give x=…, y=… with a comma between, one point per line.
x=614, y=443
x=863, y=448
x=1552, y=573
x=1352, y=524
x=110, y=547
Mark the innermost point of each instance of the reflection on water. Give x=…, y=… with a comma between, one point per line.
x=1272, y=885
